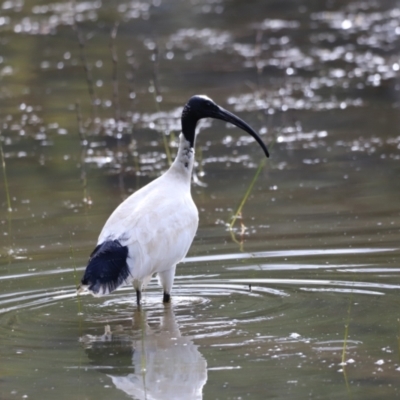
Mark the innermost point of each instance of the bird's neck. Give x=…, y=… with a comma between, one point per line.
x=189, y=121
x=184, y=160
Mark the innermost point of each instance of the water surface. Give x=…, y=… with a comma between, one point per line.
x=301, y=300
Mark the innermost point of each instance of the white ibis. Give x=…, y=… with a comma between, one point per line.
x=152, y=230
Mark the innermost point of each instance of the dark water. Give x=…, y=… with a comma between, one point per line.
x=301, y=300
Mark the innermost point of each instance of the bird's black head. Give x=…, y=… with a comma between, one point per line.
x=199, y=107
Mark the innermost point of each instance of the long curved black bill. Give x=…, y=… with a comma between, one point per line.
x=227, y=116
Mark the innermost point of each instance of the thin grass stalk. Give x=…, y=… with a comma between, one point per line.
x=346, y=331
x=136, y=163
x=164, y=136
x=247, y=194
x=158, y=97
x=131, y=78
x=82, y=55
x=167, y=150
x=258, y=62
x=117, y=108
x=80, y=321
x=76, y=279
x=3, y=163
x=198, y=167
x=156, y=71
x=234, y=239
x=345, y=339
x=84, y=143
x=398, y=339
x=78, y=299
x=9, y=209
x=114, y=57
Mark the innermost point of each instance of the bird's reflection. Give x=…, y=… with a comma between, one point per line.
x=165, y=364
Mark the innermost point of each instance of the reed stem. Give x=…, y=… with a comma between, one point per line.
x=75, y=277
x=247, y=194
x=164, y=136
x=82, y=55
x=131, y=78
x=398, y=338
x=84, y=144
x=158, y=97
x=3, y=163
x=114, y=56
x=346, y=331
x=9, y=209
x=346, y=335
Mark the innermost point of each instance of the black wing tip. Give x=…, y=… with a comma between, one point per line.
x=107, y=268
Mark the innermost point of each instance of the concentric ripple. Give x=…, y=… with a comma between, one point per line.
x=245, y=306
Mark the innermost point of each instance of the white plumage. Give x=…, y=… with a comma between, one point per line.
x=160, y=216
x=152, y=230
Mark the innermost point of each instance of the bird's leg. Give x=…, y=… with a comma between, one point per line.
x=138, y=297
x=166, y=297
x=166, y=279
x=138, y=286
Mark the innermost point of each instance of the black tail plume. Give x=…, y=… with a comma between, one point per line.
x=107, y=268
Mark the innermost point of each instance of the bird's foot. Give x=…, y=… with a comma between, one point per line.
x=166, y=298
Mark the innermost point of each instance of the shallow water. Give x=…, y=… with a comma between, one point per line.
x=301, y=300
